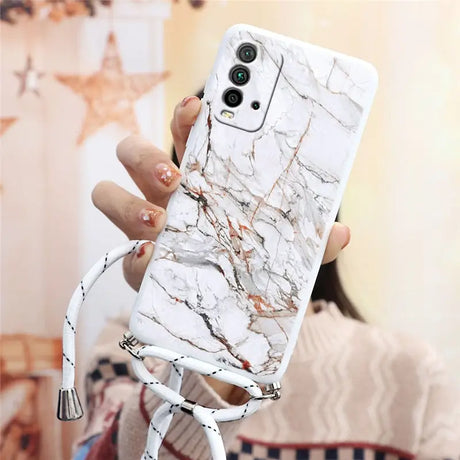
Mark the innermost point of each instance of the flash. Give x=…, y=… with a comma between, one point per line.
x=227, y=114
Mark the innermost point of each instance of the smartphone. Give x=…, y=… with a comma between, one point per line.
x=264, y=171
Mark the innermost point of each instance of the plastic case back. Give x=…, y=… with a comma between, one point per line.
x=233, y=270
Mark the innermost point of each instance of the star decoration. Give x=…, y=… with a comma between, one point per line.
x=110, y=94
x=5, y=123
x=29, y=78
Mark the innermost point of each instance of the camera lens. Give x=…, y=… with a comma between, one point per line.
x=233, y=97
x=247, y=52
x=239, y=75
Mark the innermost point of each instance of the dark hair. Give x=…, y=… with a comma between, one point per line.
x=328, y=285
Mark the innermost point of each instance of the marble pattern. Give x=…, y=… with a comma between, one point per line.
x=233, y=271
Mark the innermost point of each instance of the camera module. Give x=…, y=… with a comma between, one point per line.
x=247, y=52
x=233, y=97
x=239, y=75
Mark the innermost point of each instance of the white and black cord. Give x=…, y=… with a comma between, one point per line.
x=174, y=402
x=69, y=407
x=76, y=301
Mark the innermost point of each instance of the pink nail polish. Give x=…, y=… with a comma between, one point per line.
x=166, y=174
x=150, y=217
x=186, y=100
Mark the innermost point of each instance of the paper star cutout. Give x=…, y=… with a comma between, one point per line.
x=29, y=78
x=110, y=94
x=5, y=123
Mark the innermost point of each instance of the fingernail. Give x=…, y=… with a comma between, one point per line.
x=141, y=251
x=151, y=217
x=348, y=238
x=186, y=100
x=166, y=174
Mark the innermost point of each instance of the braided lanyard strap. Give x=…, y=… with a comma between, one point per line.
x=175, y=402
x=69, y=406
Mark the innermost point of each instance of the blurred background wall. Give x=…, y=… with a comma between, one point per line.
x=401, y=267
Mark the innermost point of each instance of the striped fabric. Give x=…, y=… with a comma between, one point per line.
x=246, y=449
x=383, y=395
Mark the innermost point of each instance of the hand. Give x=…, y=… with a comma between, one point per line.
x=157, y=177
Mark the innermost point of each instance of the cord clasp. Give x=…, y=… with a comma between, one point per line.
x=131, y=345
x=271, y=391
x=187, y=406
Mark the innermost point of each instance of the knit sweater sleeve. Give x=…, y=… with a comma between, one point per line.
x=440, y=431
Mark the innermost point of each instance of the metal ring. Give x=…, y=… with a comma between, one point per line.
x=187, y=406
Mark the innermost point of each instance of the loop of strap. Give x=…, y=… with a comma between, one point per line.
x=76, y=301
x=175, y=402
x=69, y=406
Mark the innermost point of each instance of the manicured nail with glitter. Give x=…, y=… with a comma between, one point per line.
x=151, y=217
x=166, y=174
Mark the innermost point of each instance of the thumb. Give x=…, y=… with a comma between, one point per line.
x=135, y=264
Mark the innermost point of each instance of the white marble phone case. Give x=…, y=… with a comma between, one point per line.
x=233, y=271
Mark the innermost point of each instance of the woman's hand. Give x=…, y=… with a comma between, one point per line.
x=157, y=177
